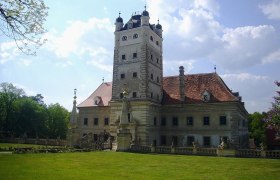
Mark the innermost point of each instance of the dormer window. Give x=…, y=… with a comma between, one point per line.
x=96, y=100
x=206, y=96
x=124, y=38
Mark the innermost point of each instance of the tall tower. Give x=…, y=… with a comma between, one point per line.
x=138, y=59
x=138, y=72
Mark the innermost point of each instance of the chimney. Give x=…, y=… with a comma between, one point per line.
x=182, y=83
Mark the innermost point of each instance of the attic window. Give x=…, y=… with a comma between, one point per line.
x=96, y=100
x=206, y=96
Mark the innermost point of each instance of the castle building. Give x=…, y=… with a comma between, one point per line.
x=159, y=110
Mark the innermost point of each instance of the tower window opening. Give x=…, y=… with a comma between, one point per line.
x=134, y=55
x=122, y=76
x=134, y=74
x=152, y=95
x=123, y=57
x=157, y=43
x=157, y=60
x=151, y=57
x=151, y=38
x=157, y=79
x=152, y=77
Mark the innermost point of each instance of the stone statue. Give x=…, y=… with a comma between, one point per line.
x=222, y=145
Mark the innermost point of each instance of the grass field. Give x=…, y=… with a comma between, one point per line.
x=117, y=165
x=7, y=145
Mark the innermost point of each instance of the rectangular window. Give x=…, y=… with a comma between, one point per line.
x=151, y=57
x=121, y=95
x=106, y=121
x=134, y=55
x=152, y=95
x=122, y=76
x=162, y=140
x=157, y=60
x=163, y=121
x=155, y=121
x=152, y=77
x=85, y=121
x=134, y=74
x=206, y=141
x=95, y=121
x=206, y=120
x=190, y=140
x=134, y=94
x=175, y=140
x=157, y=79
x=223, y=120
x=190, y=121
x=175, y=121
x=123, y=57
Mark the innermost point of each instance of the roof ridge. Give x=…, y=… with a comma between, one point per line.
x=190, y=75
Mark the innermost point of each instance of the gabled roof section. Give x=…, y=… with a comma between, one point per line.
x=100, y=97
x=195, y=86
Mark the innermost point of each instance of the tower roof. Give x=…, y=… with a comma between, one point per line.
x=119, y=19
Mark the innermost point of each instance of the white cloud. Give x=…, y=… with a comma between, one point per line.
x=25, y=62
x=101, y=58
x=8, y=50
x=272, y=57
x=172, y=67
x=271, y=9
x=244, y=47
x=256, y=90
x=79, y=35
x=243, y=77
x=27, y=90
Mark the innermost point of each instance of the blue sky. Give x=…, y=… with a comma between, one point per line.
x=240, y=37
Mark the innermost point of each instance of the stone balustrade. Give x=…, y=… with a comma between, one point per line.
x=246, y=153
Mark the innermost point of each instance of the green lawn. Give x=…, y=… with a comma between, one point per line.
x=117, y=165
x=7, y=145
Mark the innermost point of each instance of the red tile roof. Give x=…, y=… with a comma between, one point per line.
x=195, y=86
x=100, y=97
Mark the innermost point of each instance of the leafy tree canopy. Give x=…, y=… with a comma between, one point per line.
x=22, y=20
x=273, y=115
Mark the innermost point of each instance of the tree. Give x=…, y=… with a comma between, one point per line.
x=8, y=94
x=273, y=115
x=58, y=121
x=30, y=118
x=257, y=127
x=22, y=20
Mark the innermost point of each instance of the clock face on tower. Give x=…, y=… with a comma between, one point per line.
x=124, y=38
